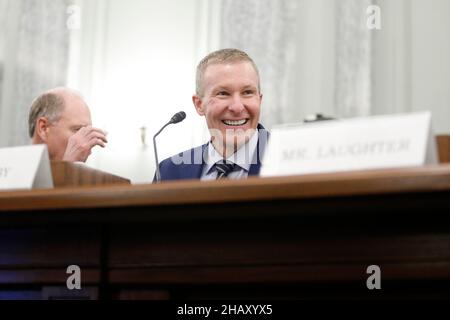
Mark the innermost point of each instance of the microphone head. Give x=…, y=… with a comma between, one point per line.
x=178, y=117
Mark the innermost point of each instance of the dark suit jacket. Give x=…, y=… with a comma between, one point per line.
x=189, y=164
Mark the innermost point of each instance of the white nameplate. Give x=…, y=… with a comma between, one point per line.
x=352, y=144
x=25, y=167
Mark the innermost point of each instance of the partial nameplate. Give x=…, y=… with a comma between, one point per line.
x=26, y=167
x=389, y=141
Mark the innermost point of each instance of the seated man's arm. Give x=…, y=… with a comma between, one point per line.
x=81, y=143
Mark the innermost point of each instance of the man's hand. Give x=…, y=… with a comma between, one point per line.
x=81, y=143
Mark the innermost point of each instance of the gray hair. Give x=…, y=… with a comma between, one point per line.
x=220, y=57
x=48, y=105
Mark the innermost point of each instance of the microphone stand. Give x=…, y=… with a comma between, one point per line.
x=178, y=117
x=158, y=174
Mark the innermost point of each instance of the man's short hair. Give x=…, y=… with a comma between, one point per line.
x=221, y=57
x=48, y=105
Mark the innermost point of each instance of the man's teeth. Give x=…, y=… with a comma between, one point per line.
x=235, y=123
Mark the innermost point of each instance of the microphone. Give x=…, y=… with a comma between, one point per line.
x=177, y=117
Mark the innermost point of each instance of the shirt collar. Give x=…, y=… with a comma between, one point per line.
x=242, y=157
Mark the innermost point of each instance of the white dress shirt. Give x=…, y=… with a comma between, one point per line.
x=243, y=158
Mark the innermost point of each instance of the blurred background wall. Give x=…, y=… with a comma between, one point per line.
x=135, y=61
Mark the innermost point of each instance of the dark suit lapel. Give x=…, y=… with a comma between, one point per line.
x=194, y=170
x=263, y=136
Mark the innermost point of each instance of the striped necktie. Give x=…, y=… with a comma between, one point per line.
x=224, y=168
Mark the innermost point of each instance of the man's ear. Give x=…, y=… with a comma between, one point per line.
x=41, y=130
x=198, y=105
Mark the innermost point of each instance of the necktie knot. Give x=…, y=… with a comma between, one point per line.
x=224, y=168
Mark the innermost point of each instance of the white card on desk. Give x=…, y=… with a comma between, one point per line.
x=26, y=167
x=352, y=144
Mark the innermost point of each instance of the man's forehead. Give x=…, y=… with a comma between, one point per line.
x=223, y=73
x=230, y=85
x=228, y=66
x=77, y=111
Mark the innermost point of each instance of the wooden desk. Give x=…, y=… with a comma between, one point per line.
x=70, y=174
x=294, y=237
x=443, y=145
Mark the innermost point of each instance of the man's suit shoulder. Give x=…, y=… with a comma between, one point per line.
x=185, y=157
x=184, y=165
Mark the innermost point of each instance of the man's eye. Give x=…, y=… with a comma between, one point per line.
x=249, y=92
x=222, y=93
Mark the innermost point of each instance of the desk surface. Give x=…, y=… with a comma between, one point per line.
x=299, y=237
x=356, y=183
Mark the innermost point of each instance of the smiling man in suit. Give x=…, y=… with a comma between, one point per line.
x=228, y=95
